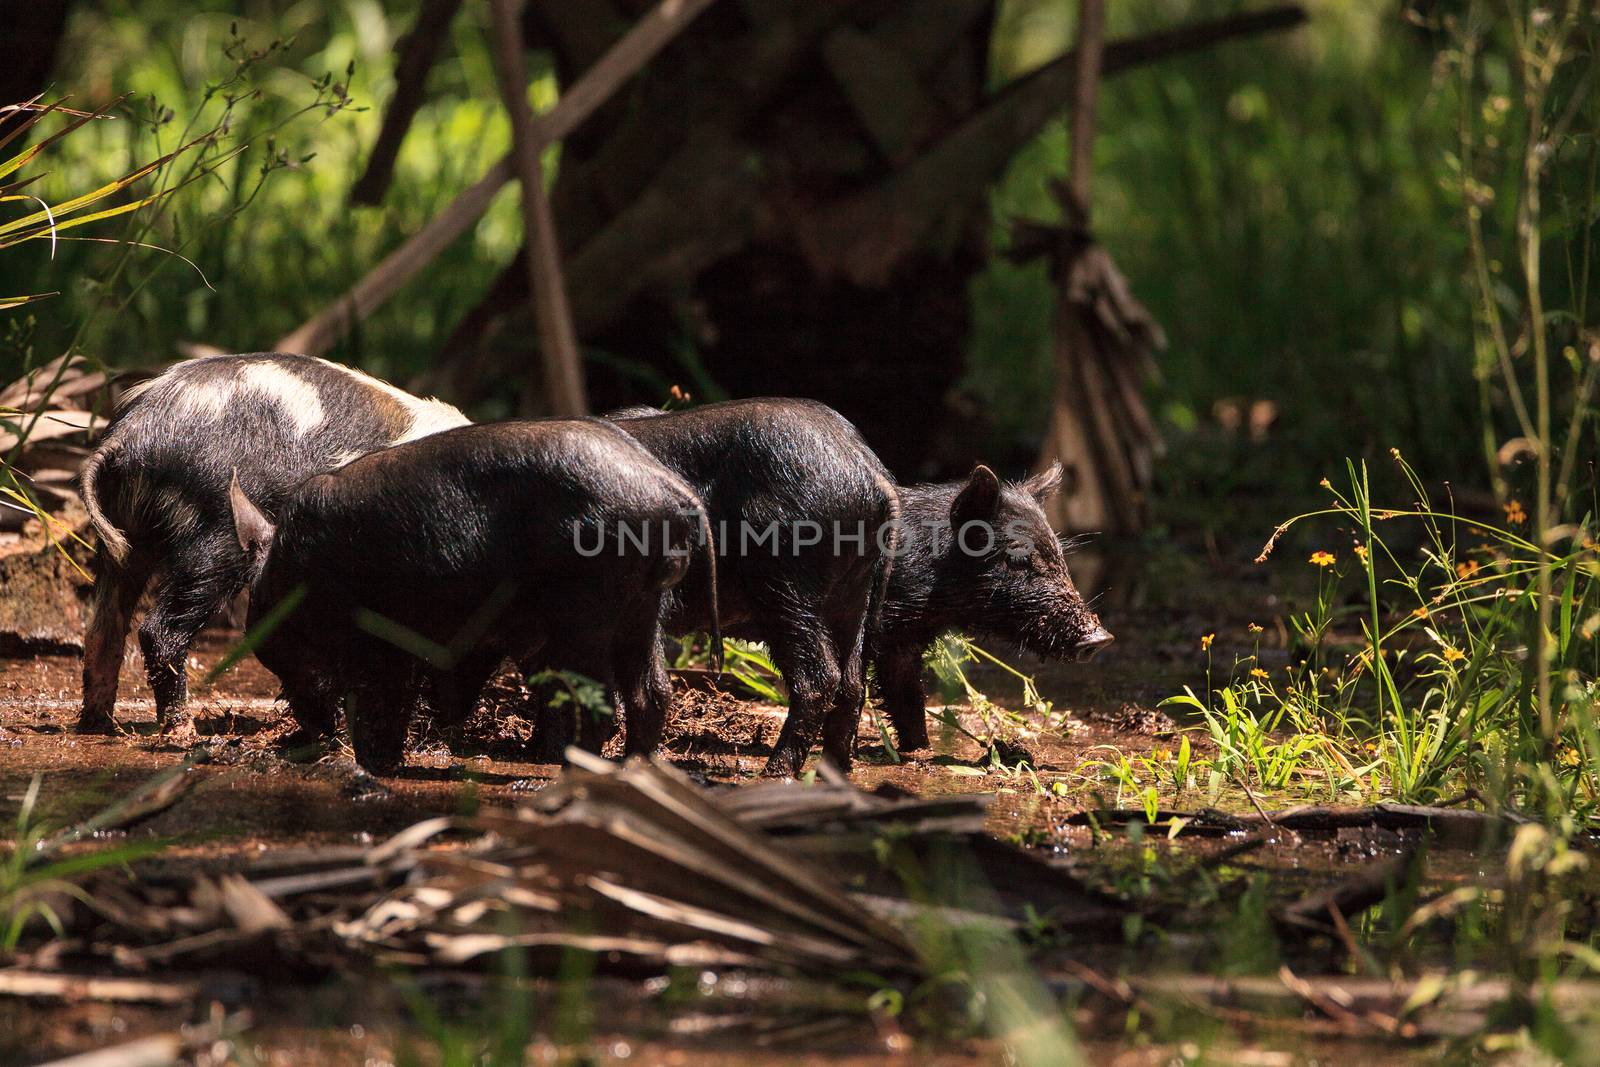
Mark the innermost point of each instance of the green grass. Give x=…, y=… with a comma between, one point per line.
x=36, y=878
x=1438, y=694
x=271, y=234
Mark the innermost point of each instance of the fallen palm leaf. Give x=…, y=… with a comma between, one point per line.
x=634, y=864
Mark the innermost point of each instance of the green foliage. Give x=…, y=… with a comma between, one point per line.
x=35, y=880
x=1290, y=209
x=576, y=692
x=271, y=231
x=950, y=659
x=751, y=665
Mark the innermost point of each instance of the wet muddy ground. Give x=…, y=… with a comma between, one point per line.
x=249, y=801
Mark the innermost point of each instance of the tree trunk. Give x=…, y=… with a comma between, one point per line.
x=1099, y=429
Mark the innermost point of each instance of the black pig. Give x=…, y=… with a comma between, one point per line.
x=800, y=470
x=157, y=493
x=1007, y=577
x=550, y=542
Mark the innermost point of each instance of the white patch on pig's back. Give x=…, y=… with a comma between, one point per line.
x=297, y=398
x=204, y=400
x=428, y=416
x=200, y=401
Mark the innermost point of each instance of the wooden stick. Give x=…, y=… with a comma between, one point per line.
x=964, y=160
x=625, y=58
x=562, y=379
x=159, y=1051
x=417, y=52
x=84, y=987
x=1103, y=490
x=1086, y=96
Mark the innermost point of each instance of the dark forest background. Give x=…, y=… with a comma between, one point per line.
x=1289, y=203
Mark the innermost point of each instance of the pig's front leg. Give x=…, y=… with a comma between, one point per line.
x=379, y=713
x=899, y=670
x=453, y=694
x=316, y=717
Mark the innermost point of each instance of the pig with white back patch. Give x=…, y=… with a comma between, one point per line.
x=157, y=493
x=977, y=556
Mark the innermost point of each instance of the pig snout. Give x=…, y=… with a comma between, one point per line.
x=1092, y=642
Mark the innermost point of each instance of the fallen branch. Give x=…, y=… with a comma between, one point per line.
x=1459, y=827
x=1349, y=896
x=847, y=236
x=1430, y=1007
x=87, y=988
x=651, y=34
x=418, y=51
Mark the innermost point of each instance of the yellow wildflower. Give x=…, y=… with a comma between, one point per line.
x=1514, y=513
x=1466, y=569
x=1255, y=628
x=1257, y=672
x=1205, y=641
x=1453, y=655
x=681, y=395
x=1569, y=757
x=1325, y=484
x=1420, y=613
x=1361, y=552
x=1162, y=755
x=1322, y=559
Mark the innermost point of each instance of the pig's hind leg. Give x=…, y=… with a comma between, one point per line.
x=116, y=594
x=805, y=653
x=642, y=682
x=194, y=586
x=844, y=718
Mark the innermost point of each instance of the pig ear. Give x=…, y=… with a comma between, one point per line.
x=978, y=500
x=250, y=526
x=1045, y=484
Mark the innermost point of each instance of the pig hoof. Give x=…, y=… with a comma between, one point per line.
x=363, y=786
x=302, y=744
x=912, y=742
x=180, y=731
x=95, y=724
x=781, y=766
